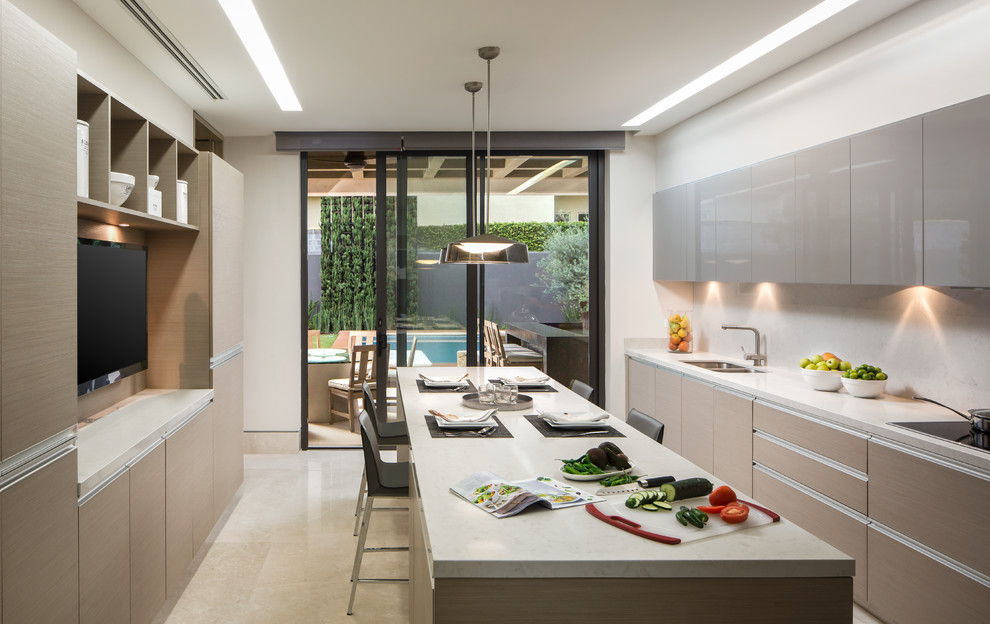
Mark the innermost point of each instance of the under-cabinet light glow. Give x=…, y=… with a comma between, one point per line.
x=814, y=16
x=546, y=173
x=244, y=18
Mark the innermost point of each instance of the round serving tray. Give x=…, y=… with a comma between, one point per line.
x=522, y=403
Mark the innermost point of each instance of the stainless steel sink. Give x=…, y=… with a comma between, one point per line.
x=719, y=366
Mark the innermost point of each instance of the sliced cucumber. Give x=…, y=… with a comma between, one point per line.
x=662, y=505
x=634, y=500
x=649, y=507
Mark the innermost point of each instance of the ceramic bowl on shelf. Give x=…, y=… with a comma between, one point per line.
x=121, y=185
x=864, y=388
x=152, y=182
x=826, y=381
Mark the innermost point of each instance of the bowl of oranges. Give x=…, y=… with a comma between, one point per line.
x=680, y=333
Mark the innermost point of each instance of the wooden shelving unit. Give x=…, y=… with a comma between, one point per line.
x=102, y=212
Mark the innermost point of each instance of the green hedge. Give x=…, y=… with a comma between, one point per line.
x=534, y=233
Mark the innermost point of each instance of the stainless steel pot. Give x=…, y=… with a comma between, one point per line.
x=979, y=418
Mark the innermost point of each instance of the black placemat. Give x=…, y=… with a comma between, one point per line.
x=437, y=432
x=528, y=387
x=421, y=384
x=558, y=432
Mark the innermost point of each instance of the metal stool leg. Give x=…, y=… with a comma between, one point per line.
x=360, y=499
x=362, y=538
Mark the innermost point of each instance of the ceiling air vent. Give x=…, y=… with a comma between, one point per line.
x=147, y=19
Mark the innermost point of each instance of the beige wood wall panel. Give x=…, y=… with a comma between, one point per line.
x=228, y=432
x=203, y=519
x=907, y=587
x=667, y=399
x=733, y=431
x=94, y=109
x=163, y=162
x=147, y=533
x=178, y=310
x=39, y=548
x=180, y=451
x=956, y=507
x=698, y=423
x=640, y=387
x=104, y=555
x=843, y=447
x=632, y=601
x=129, y=154
x=37, y=234
x=835, y=484
x=420, y=583
x=227, y=275
x=827, y=523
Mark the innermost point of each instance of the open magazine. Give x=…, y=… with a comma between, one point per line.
x=502, y=498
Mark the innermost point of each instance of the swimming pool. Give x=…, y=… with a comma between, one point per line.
x=440, y=347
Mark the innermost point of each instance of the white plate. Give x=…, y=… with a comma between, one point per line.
x=575, y=425
x=453, y=424
x=597, y=477
x=575, y=417
x=445, y=384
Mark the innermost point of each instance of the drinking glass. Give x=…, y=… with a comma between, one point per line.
x=502, y=394
x=513, y=395
x=486, y=393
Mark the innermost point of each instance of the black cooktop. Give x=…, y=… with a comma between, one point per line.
x=960, y=432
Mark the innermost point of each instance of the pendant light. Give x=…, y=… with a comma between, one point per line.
x=484, y=248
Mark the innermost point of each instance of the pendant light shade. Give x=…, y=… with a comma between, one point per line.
x=484, y=248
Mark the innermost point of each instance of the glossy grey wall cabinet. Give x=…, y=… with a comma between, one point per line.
x=957, y=195
x=887, y=219
x=705, y=236
x=773, y=198
x=823, y=213
x=733, y=241
x=669, y=216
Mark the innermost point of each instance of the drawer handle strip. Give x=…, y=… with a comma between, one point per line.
x=800, y=450
x=852, y=513
x=813, y=419
x=935, y=459
x=920, y=548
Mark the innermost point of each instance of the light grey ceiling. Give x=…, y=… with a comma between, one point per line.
x=401, y=64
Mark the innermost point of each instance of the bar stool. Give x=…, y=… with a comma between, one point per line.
x=386, y=480
x=582, y=389
x=652, y=427
x=387, y=434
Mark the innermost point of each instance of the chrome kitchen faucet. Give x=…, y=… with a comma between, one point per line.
x=759, y=359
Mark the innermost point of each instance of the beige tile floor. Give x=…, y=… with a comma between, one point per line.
x=283, y=551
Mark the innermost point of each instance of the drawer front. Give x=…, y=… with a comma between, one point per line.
x=845, y=448
x=943, y=508
x=639, y=387
x=827, y=523
x=668, y=407
x=821, y=477
x=909, y=587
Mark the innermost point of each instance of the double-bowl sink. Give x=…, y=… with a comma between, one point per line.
x=719, y=366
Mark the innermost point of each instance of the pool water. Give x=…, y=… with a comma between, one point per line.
x=441, y=349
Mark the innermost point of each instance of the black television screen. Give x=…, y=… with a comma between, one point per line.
x=112, y=312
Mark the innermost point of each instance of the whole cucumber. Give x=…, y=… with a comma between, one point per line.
x=687, y=488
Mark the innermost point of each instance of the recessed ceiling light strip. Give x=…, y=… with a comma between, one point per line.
x=777, y=38
x=244, y=18
x=543, y=175
x=167, y=40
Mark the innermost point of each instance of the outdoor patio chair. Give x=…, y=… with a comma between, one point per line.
x=497, y=353
x=363, y=370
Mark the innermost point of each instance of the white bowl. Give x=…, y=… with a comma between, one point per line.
x=826, y=381
x=864, y=388
x=121, y=185
x=152, y=182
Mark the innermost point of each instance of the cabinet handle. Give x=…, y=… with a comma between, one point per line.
x=852, y=513
x=821, y=459
x=934, y=555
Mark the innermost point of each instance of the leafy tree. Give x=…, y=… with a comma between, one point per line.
x=564, y=271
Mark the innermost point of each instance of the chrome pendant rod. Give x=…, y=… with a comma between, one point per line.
x=488, y=53
x=473, y=88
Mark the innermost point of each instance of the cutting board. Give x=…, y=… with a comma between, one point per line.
x=664, y=523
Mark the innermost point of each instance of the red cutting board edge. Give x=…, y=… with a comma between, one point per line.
x=665, y=522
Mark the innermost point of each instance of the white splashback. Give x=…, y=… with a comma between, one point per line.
x=932, y=342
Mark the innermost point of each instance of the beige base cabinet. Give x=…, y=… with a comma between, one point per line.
x=147, y=535
x=733, y=443
x=39, y=548
x=228, y=432
x=188, y=494
x=104, y=555
x=698, y=423
x=640, y=387
x=667, y=398
x=908, y=586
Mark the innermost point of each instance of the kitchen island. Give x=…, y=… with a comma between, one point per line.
x=564, y=566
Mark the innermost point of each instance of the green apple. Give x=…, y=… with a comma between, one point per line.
x=812, y=366
x=804, y=362
x=832, y=363
x=822, y=366
x=815, y=359
x=844, y=365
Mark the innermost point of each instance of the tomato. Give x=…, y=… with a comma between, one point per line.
x=722, y=495
x=734, y=514
x=711, y=509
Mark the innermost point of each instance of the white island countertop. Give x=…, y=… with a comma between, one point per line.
x=466, y=542
x=785, y=387
x=119, y=435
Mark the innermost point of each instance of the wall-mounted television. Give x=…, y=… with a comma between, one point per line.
x=112, y=312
